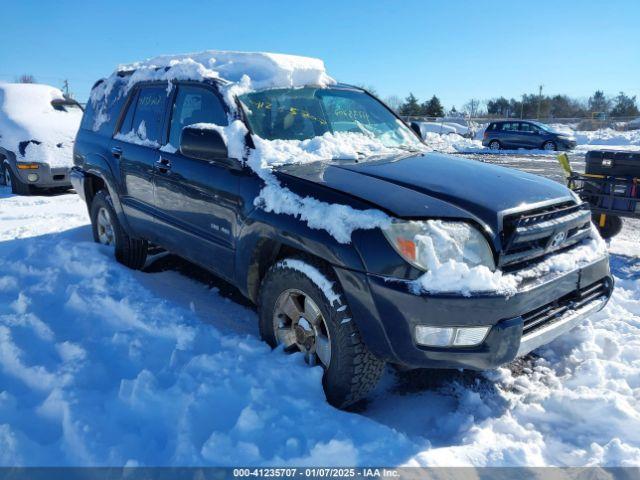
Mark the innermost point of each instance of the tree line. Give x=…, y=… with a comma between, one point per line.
x=529, y=106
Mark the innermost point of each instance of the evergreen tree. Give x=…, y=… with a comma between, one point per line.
x=410, y=106
x=433, y=108
x=599, y=103
x=624, y=106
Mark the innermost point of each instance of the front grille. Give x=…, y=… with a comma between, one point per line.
x=58, y=177
x=534, y=233
x=546, y=314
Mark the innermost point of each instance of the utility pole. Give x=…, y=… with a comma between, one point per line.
x=539, y=99
x=65, y=87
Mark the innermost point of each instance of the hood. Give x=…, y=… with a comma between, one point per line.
x=433, y=185
x=32, y=128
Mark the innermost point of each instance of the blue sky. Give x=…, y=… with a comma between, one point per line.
x=455, y=49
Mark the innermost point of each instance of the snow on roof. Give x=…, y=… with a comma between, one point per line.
x=243, y=71
x=265, y=70
x=26, y=114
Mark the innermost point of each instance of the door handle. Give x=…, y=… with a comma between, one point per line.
x=116, y=152
x=163, y=165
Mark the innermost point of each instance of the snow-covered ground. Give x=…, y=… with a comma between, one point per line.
x=102, y=365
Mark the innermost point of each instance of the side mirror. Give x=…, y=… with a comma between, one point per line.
x=206, y=144
x=416, y=128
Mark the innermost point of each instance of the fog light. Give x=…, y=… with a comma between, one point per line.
x=450, y=336
x=33, y=177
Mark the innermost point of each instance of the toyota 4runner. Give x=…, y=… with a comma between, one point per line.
x=155, y=167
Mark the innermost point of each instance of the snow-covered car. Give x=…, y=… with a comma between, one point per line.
x=434, y=127
x=358, y=245
x=38, y=126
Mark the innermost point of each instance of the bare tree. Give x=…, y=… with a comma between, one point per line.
x=472, y=107
x=394, y=102
x=26, y=78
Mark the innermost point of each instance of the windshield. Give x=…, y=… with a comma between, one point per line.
x=304, y=113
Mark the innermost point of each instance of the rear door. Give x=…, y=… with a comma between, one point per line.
x=136, y=146
x=510, y=135
x=197, y=200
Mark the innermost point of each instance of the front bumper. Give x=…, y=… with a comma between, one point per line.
x=567, y=144
x=47, y=177
x=388, y=313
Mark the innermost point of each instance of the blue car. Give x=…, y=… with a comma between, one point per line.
x=513, y=134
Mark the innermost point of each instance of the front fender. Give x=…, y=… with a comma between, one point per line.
x=263, y=235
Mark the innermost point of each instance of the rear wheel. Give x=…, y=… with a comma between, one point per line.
x=296, y=313
x=107, y=230
x=549, y=145
x=494, y=145
x=612, y=225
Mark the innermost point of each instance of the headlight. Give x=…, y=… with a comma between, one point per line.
x=429, y=244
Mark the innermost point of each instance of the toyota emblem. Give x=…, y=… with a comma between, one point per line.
x=558, y=239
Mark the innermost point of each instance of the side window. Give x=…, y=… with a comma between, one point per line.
x=510, y=127
x=149, y=113
x=127, y=122
x=526, y=127
x=194, y=104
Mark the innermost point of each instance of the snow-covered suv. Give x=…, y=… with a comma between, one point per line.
x=358, y=245
x=37, y=128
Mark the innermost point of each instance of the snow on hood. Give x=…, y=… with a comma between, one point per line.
x=26, y=115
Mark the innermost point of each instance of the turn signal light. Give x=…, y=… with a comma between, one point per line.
x=28, y=166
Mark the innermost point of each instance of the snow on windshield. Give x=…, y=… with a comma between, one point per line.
x=28, y=117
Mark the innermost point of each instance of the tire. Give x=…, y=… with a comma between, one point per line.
x=129, y=251
x=352, y=370
x=612, y=226
x=18, y=187
x=549, y=145
x=494, y=145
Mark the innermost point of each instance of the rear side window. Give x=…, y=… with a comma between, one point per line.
x=492, y=126
x=149, y=113
x=510, y=127
x=194, y=104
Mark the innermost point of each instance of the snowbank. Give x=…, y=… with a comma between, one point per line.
x=607, y=136
x=26, y=115
x=101, y=365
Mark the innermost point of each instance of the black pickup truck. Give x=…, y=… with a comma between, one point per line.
x=350, y=307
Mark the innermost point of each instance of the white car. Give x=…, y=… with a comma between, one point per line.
x=38, y=126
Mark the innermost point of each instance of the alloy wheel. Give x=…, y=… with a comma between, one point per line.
x=7, y=177
x=299, y=324
x=106, y=233
x=495, y=145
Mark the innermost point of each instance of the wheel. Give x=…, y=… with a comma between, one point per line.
x=612, y=226
x=18, y=187
x=295, y=312
x=494, y=145
x=549, y=145
x=129, y=251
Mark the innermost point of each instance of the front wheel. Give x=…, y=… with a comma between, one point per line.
x=303, y=310
x=107, y=230
x=18, y=187
x=612, y=226
x=494, y=145
x=550, y=146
